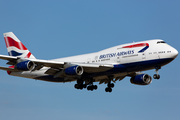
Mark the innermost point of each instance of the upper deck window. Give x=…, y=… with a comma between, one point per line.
x=160, y=42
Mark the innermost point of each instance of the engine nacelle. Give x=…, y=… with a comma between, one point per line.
x=25, y=65
x=143, y=79
x=74, y=70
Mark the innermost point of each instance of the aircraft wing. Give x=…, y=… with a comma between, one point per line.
x=88, y=67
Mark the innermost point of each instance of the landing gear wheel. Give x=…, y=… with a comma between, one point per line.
x=84, y=85
x=92, y=87
x=95, y=87
x=81, y=87
x=89, y=88
x=108, y=89
x=156, y=76
x=76, y=86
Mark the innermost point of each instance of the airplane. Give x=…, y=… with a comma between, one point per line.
x=106, y=66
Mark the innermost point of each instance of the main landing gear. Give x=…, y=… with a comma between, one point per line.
x=80, y=85
x=157, y=76
x=109, y=87
x=91, y=86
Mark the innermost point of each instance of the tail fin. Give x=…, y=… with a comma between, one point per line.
x=15, y=47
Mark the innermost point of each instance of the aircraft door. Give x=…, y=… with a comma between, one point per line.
x=118, y=59
x=89, y=60
x=143, y=55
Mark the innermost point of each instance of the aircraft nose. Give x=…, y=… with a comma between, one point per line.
x=174, y=53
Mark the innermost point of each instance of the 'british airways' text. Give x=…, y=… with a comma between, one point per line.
x=110, y=55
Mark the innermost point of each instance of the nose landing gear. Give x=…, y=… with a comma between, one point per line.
x=157, y=76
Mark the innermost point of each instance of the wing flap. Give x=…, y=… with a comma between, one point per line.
x=48, y=63
x=90, y=67
x=51, y=71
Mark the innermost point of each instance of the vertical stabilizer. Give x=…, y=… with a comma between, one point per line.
x=15, y=47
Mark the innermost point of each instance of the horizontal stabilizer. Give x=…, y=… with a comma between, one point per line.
x=9, y=69
x=5, y=57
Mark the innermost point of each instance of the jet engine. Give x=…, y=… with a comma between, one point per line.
x=74, y=70
x=143, y=79
x=25, y=65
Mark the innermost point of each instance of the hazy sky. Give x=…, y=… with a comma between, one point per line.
x=54, y=29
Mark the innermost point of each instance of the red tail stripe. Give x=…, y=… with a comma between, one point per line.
x=10, y=42
x=28, y=55
x=137, y=45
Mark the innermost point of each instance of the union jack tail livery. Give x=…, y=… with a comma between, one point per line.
x=15, y=47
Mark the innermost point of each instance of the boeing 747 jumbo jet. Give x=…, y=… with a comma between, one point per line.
x=106, y=66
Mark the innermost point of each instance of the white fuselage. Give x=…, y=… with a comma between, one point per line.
x=135, y=57
x=111, y=56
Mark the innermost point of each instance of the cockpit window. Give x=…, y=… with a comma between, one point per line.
x=160, y=42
